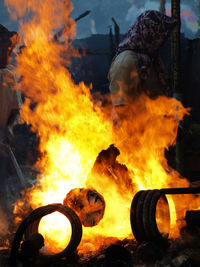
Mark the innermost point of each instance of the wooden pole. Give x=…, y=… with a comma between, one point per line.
x=117, y=33
x=162, y=6
x=198, y=32
x=111, y=43
x=175, y=4
x=176, y=47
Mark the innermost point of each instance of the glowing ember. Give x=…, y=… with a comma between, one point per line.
x=73, y=130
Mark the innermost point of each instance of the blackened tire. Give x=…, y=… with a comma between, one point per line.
x=30, y=225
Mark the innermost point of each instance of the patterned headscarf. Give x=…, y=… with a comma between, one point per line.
x=145, y=37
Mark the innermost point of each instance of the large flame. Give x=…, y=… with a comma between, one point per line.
x=73, y=130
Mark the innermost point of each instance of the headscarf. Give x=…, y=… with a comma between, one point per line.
x=145, y=37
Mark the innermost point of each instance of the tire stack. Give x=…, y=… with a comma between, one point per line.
x=143, y=215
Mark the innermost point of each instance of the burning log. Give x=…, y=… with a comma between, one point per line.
x=29, y=227
x=88, y=204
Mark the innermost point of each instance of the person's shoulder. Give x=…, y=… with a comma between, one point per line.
x=126, y=59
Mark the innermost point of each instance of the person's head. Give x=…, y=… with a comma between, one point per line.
x=149, y=32
x=8, y=40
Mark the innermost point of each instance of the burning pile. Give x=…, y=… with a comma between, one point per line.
x=73, y=130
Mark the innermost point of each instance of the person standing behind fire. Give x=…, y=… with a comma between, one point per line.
x=10, y=104
x=10, y=97
x=137, y=67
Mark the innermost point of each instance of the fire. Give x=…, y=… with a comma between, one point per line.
x=50, y=230
x=73, y=129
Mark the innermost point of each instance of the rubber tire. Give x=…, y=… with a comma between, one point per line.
x=137, y=216
x=146, y=218
x=153, y=228
x=133, y=218
x=30, y=225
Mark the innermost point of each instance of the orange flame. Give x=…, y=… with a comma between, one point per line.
x=73, y=130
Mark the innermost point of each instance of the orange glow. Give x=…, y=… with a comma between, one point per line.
x=73, y=129
x=52, y=225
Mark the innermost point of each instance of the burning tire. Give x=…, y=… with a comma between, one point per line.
x=87, y=203
x=159, y=204
x=149, y=216
x=133, y=217
x=29, y=226
x=137, y=216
